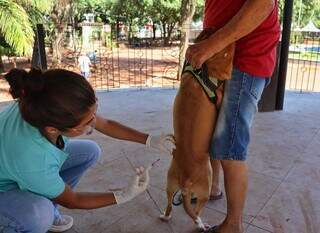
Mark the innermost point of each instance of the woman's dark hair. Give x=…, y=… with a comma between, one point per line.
x=57, y=97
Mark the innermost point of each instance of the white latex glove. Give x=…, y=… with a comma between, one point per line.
x=136, y=186
x=164, y=143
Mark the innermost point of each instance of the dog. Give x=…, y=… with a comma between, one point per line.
x=194, y=116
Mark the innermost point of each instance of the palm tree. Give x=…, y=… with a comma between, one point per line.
x=17, y=18
x=15, y=27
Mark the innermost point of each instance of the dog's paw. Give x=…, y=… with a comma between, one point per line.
x=201, y=226
x=165, y=218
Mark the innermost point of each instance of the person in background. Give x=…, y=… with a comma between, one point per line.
x=84, y=65
x=41, y=163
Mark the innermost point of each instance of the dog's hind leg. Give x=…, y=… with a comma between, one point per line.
x=186, y=195
x=201, y=201
x=201, y=190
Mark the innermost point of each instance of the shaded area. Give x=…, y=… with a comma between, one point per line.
x=284, y=173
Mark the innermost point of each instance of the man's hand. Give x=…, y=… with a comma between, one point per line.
x=164, y=143
x=200, y=52
x=137, y=186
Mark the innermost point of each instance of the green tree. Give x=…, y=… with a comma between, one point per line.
x=316, y=15
x=199, y=11
x=101, y=8
x=132, y=13
x=165, y=13
x=303, y=12
x=17, y=21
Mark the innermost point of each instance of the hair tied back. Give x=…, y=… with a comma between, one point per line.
x=33, y=82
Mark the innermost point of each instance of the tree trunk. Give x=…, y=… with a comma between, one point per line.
x=187, y=11
x=1, y=64
x=60, y=17
x=170, y=28
x=117, y=29
x=56, y=45
x=129, y=34
x=14, y=62
x=164, y=30
x=154, y=31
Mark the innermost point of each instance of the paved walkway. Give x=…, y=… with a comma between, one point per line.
x=284, y=177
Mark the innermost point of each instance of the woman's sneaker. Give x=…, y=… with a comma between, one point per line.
x=62, y=224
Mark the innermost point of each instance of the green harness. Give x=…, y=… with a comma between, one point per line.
x=209, y=84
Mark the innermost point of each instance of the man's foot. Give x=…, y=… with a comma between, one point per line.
x=215, y=197
x=224, y=228
x=62, y=224
x=213, y=229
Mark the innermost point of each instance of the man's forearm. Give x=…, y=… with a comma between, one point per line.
x=248, y=18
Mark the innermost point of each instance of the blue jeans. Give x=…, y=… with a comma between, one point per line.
x=232, y=133
x=23, y=211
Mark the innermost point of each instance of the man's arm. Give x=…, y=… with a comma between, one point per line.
x=116, y=130
x=248, y=18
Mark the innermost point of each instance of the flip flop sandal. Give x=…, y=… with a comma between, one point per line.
x=211, y=198
x=216, y=197
x=213, y=229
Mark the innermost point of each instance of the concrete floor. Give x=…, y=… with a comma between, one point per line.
x=284, y=177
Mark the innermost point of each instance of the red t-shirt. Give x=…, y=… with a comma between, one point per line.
x=255, y=53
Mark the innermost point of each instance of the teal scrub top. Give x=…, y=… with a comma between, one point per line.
x=28, y=161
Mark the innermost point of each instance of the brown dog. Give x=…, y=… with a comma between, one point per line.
x=194, y=117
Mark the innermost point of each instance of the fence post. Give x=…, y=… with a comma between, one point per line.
x=285, y=42
x=39, y=59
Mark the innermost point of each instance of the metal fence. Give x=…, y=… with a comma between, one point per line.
x=146, y=62
x=117, y=63
x=303, y=72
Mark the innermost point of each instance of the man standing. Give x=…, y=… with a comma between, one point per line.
x=254, y=26
x=84, y=64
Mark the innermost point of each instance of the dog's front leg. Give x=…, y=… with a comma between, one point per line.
x=172, y=187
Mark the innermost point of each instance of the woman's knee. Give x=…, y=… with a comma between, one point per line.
x=94, y=151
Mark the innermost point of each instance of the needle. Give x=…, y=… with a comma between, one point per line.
x=152, y=164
